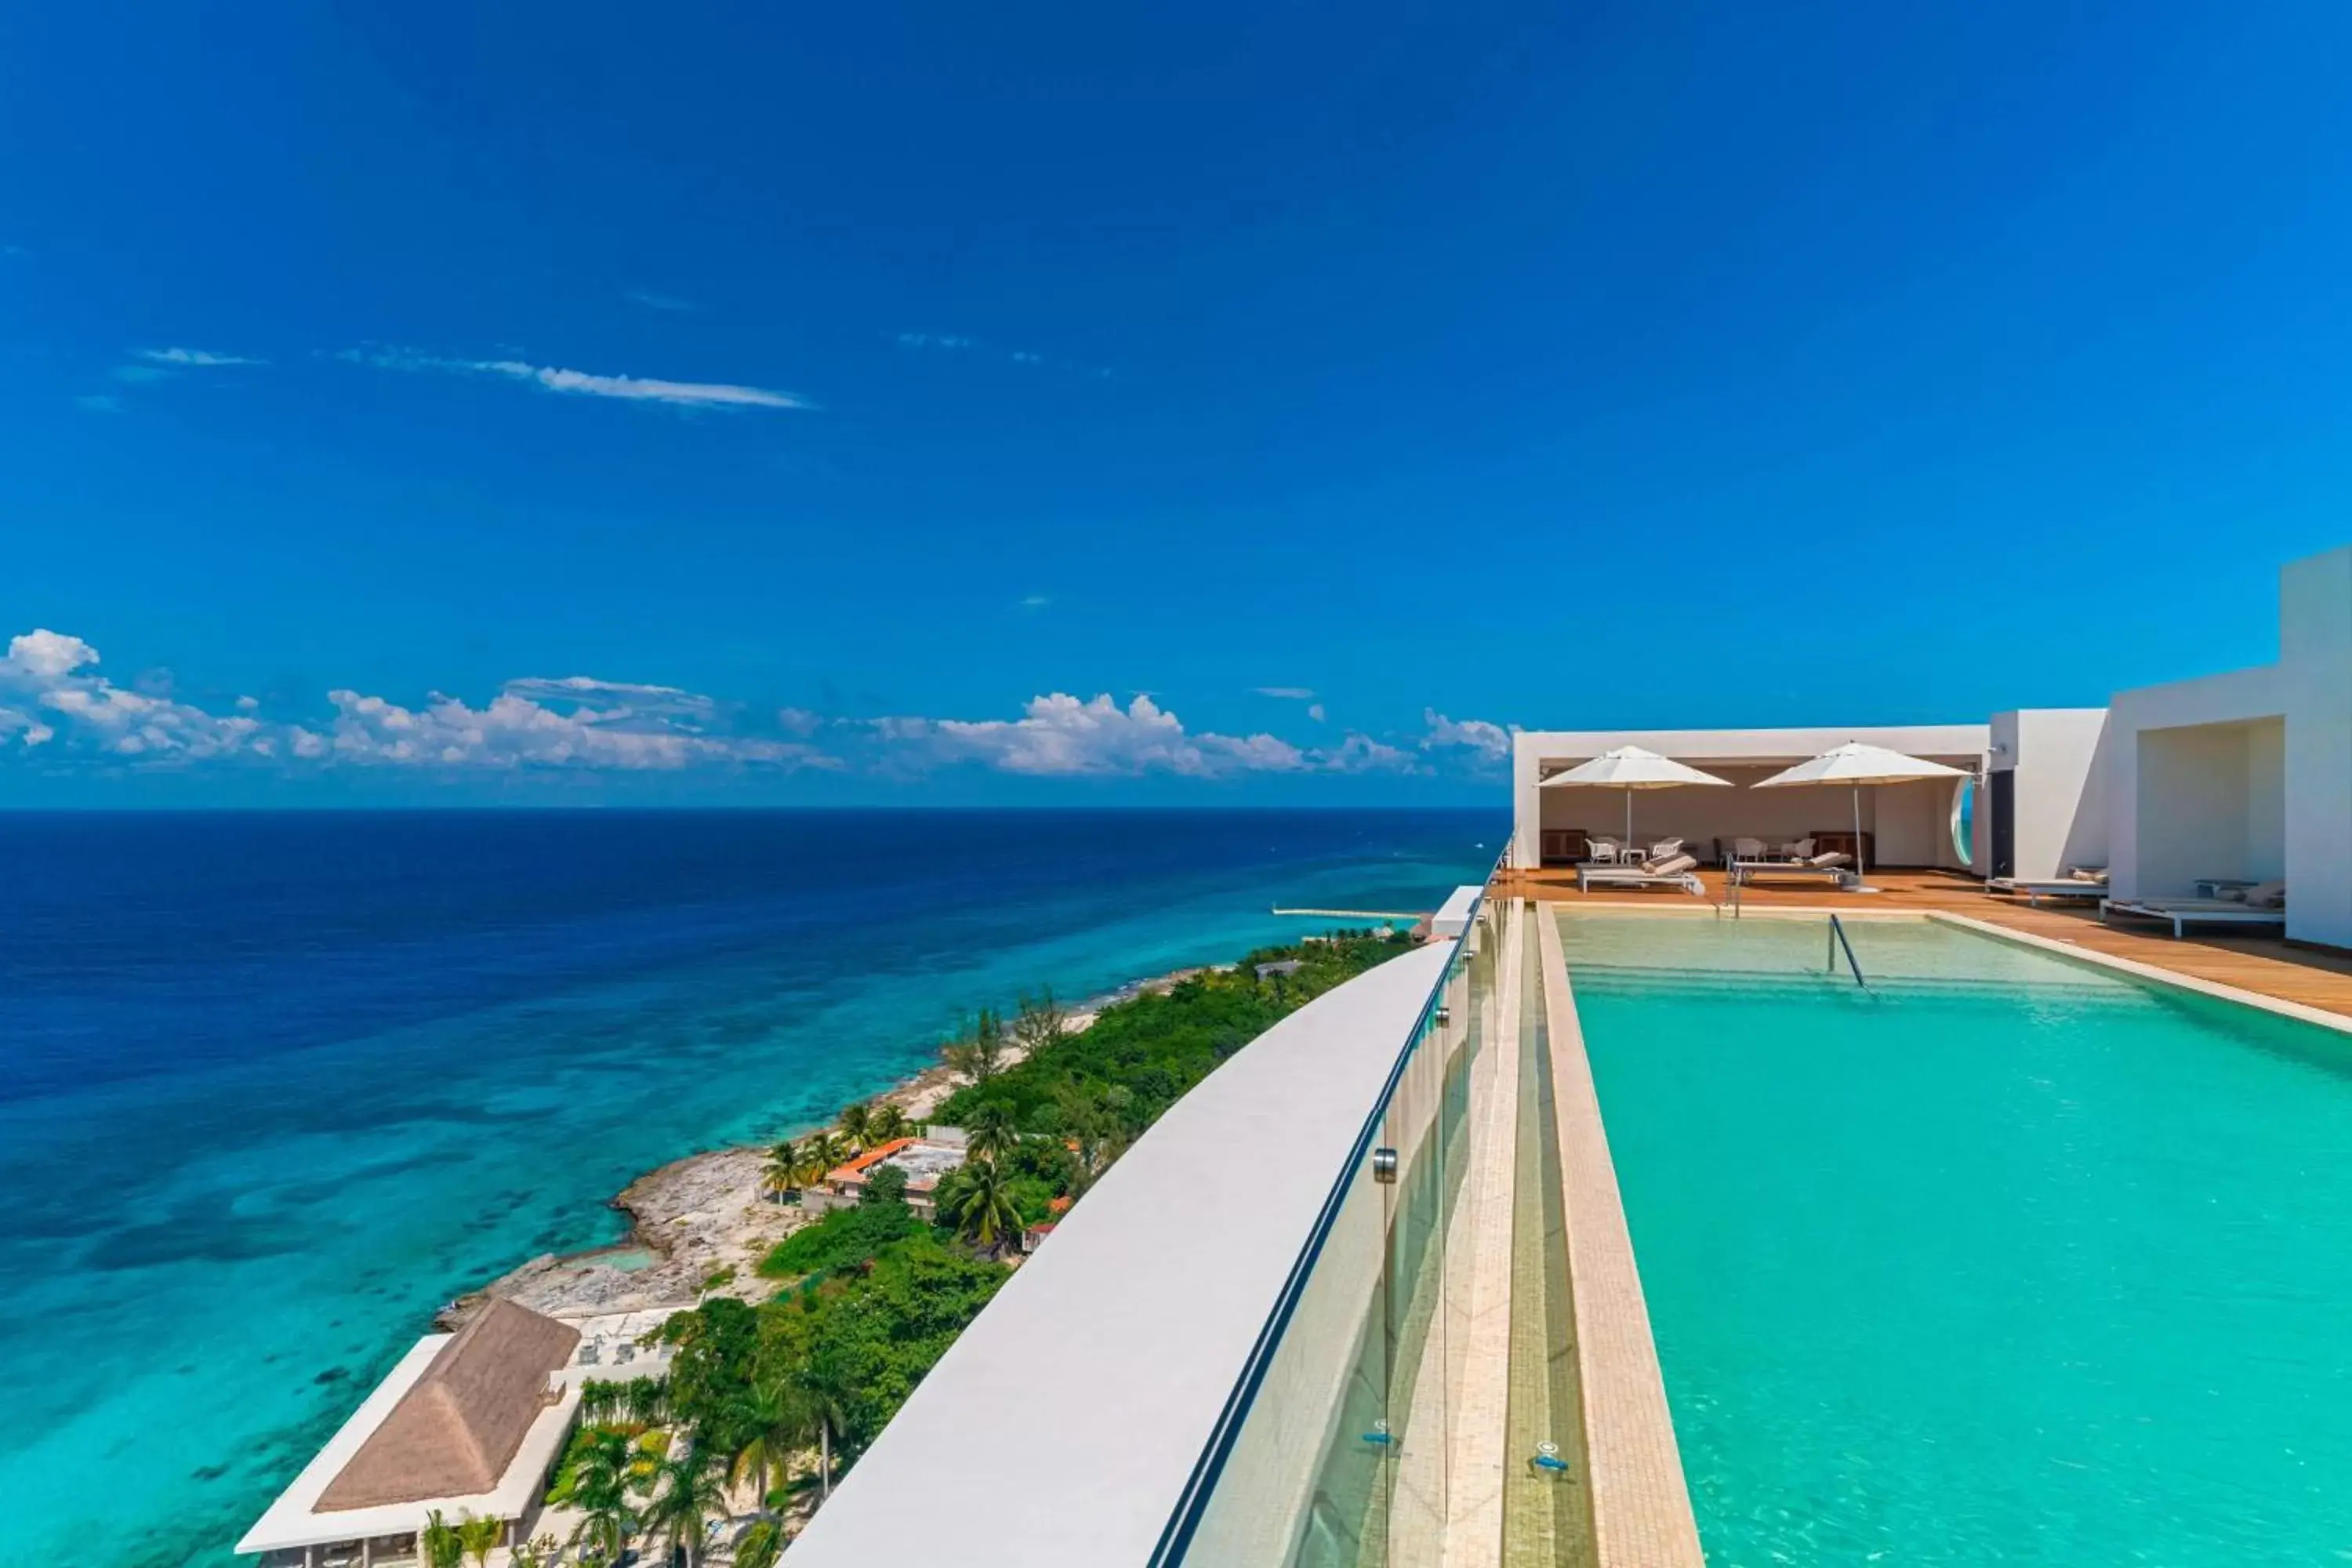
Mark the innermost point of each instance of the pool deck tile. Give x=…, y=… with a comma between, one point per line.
x=1641, y=1502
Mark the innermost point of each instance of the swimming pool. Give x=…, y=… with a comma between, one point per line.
x=2008, y=1259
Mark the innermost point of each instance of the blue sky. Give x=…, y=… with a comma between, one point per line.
x=743, y=403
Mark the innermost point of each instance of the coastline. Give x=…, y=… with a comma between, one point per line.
x=701, y=1223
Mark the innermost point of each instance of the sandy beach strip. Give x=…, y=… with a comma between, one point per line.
x=706, y=1220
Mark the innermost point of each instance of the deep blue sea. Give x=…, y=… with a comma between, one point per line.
x=274, y=1086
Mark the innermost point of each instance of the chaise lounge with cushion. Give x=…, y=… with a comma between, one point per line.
x=1675, y=872
x=2262, y=904
x=1831, y=864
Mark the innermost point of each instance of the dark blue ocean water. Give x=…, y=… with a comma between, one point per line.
x=274, y=1086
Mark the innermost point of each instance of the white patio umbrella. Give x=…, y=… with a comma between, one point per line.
x=1630, y=768
x=1857, y=765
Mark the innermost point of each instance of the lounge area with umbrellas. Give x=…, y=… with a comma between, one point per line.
x=1756, y=803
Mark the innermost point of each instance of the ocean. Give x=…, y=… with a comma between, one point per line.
x=273, y=1086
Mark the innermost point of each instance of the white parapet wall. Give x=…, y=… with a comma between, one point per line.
x=1062, y=1429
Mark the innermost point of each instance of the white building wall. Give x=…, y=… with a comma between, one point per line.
x=2057, y=761
x=2315, y=649
x=2265, y=747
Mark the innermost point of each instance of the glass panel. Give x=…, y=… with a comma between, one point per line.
x=1339, y=1456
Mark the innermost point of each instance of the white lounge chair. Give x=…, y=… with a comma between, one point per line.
x=1678, y=871
x=1829, y=863
x=2035, y=889
x=1603, y=852
x=2182, y=913
x=1747, y=850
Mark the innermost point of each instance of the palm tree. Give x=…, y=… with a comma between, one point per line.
x=977, y=1199
x=978, y=1055
x=857, y=1124
x=760, y=1545
x=887, y=1122
x=779, y=1423
x=783, y=1168
x=823, y=1389
x=444, y=1546
x=1041, y=1023
x=820, y=1152
x=691, y=1487
x=648, y=1399
x=990, y=1132
x=481, y=1537
x=600, y=1490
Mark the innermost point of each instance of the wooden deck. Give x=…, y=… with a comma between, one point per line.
x=2265, y=965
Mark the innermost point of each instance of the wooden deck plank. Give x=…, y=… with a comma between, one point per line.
x=2263, y=964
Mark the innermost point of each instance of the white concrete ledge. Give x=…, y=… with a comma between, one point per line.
x=1061, y=1429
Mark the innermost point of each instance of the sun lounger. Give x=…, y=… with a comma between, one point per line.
x=2181, y=914
x=1831, y=863
x=1681, y=872
x=2035, y=889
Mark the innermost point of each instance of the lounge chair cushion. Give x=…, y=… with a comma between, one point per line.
x=1673, y=867
x=2270, y=895
x=1828, y=857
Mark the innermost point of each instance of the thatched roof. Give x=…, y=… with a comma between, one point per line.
x=455, y=1430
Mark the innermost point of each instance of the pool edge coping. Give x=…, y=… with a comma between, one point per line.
x=2219, y=991
x=1638, y=1493
x=2302, y=1012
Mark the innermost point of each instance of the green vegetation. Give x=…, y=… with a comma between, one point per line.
x=873, y=1295
x=845, y=1240
x=1103, y=1086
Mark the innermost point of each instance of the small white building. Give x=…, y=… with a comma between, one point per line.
x=2247, y=775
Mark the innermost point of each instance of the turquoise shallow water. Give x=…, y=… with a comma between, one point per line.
x=2009, y=1262
x=272, y=1088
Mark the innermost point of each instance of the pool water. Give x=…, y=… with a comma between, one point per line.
x=2006, y=1260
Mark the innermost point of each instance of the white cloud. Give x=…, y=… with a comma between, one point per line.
x=931, y=340
x=513, y=732
x=580, y=383
x=99, y=403
x=1035, y=602
x=50, y=690
x=44, y=655
x=1360, y=754
x=20, y=725
x=799, y=722
x=1022, y=356
x=1287, y=694
x=653, y=301
x=1492, y=742
x=195, y=357
x=52, y=675
x=1315, y=711
x=1059, y=735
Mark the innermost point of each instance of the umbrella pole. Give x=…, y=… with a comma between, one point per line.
x=1629, y=819
x=1858, y=833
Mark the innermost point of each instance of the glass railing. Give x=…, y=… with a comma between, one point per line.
x=1364, y=1427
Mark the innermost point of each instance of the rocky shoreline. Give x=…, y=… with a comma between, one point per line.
x=700, y=1225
